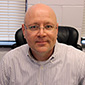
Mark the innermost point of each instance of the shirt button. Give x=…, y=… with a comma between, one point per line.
x=41, y=67
x=40, y=83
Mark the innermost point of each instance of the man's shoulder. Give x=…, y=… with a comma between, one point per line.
x=70, y=50
x=17, y=52
x=20, y=48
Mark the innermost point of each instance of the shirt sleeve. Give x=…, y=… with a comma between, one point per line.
x=82, y=82
x=4, y=75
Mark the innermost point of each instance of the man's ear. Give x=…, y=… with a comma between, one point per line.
x=23, y=30
x=57, y=27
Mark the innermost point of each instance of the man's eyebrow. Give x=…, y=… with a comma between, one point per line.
x=33, y=24
x=49, y=23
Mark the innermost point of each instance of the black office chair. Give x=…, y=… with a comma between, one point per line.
x=67, y=35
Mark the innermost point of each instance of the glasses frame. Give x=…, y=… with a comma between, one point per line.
x=29, y=27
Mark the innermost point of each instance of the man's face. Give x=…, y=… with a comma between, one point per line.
x=41, y=40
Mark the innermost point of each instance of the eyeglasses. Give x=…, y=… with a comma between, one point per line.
x=37, y=27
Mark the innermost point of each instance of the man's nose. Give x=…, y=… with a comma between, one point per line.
x=41, y=32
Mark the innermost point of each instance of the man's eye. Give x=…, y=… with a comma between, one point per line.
x=33, y=27
x=48, y=26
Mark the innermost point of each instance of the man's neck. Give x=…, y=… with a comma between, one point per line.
x=41, y=56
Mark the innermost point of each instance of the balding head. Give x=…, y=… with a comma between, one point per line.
x=39, y=9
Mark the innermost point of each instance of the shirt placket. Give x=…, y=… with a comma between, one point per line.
x=41, y=75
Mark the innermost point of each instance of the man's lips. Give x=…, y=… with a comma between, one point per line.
x=42, y=42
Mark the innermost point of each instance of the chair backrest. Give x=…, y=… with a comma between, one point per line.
x=19, y=38
x=67, y=35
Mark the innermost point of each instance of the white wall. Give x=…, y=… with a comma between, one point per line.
x=68, y=12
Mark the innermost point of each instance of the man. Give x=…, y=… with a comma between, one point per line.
x=43, y=61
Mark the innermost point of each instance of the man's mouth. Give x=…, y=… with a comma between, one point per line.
x=42, y=42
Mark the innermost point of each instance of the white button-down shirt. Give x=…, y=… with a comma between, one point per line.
x=65, y=67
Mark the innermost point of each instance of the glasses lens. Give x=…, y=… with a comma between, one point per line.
x=34, y=27
x=49, y=27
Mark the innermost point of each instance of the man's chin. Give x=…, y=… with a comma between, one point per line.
x=42, y=50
